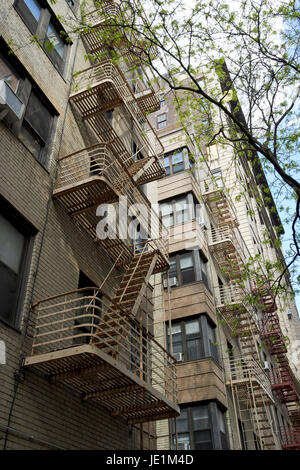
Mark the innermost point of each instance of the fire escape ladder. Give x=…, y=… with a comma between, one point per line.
x=135, y=280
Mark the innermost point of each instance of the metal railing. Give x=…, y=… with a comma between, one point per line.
x=108, y=10
x=244, y=369
x=215, y=184
x=96, y=161
x=290, y=437
x=106, y=71
x=85, y=163
x=224, y=233
x=89, y=316
x=228, y=294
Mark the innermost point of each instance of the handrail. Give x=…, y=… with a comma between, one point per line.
x=76, y=320
x=129, y=93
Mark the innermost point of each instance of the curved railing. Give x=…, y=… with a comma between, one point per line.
x=89, y=316
x=243, y=369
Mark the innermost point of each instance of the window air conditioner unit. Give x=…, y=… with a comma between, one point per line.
x=11, y=107
x=178, y=356
x=172, y=282
x=266, y=365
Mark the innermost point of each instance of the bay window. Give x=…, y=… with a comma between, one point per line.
x=174, y=162
x=200, y=427
x=187, y=267
x=192, y=339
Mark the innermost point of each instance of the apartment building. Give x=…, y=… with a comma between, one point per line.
x=80, y=365
x=91, y=325
x=237, y=359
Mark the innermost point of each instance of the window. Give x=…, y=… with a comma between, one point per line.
x=15, y=243
x=162, y=101
x=9, y=74
x=193, y=339
x=174, y=162
x=177, y=211
x=212, y=153
x=136, y=153
x=89, y=312
x=183, y=268
x=55, y=46
x=212, y=341
x=195, y=429
x=161, y=121
x=30, y=11
x=35, y=126
x=43, y=23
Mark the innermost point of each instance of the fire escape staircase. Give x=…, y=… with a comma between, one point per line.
x=97, y=40
x=94, y=343
x=282, y=381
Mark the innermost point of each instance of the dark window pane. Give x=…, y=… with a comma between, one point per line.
x=161, y=121
x=12, y=247
x=182, y=422
x=90, y=306
x=38, y=116
x=203, y=440
x=173, y=268
x=211, y=334
x=9, y=75
x=200, y=417
x=177, y=162
x=30, y=139
x=30, y=10
x=54, y=46
x=8, y=292
x=224, y=441
x=34, y=8
x=187, y=268
x=194, y=349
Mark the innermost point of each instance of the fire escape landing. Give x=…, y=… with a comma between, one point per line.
x=88, y=342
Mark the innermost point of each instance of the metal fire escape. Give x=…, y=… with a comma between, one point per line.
x=282, y=380
x=250, y=385
x=95, y=343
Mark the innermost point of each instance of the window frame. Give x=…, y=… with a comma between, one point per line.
x=161, y=121
x=40, y=28
x=213, y=425
x=25, y=88
x=187, y=165
x=189, y=198
x=162, y=101
x=28, y=231
x=178, y=270
x=205, y=349
x=200, y=272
